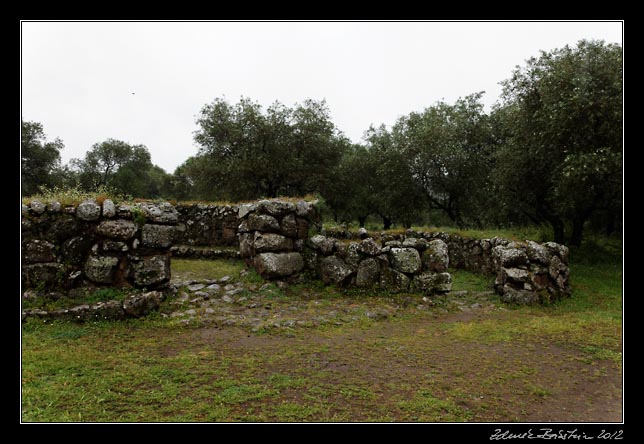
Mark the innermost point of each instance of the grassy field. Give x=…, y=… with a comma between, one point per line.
x=562, y=362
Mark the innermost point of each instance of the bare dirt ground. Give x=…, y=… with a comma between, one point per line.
x=523, y=381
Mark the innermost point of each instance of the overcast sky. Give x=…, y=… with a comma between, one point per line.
x=78, y=78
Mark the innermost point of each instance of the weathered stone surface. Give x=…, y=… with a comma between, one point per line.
x=302, y=228
x=157, y=236
x=304, y=209
x=520, y=297
x=368, y=273
x=161, y=213
x=509, y=257
x=335, y=271
x=393, y=281
x=24, y=209
x=537, y=253
x=430, y=282
x=436, y=256
x=38, y=250
x=75, y=250
x=141, y=304
x=274, y=265
x=275, y=207
x=556, y=267
x=406, y=260
x=363, y=233
x=322, y=243
x=246, y=245
x=262, y=222
x=150, y=270
x=42, y=274
x=265, y=242
x=112, y=310
x=352, y=256
x=117, y=229
x=419, y=244
x=559, y=250
x=37, y=207
x=88, y=210
x=62, y=227
x=516, y=274
x=101, y=269
x=289, y=226
x=369, y=247
x=244, y=209
x=54, y=207
x=109, y=209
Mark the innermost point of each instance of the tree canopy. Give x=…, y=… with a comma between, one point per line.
x=40, y=159
x=249, y=153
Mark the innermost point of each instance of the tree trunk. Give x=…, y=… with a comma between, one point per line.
x=362, y=220
x=386, y=223
x=577, y=231
x=557, y=229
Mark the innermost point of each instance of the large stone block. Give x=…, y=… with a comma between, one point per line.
x=322, y=243
x=75, y=250
x=406, y=260
x=509, y=257
x=276, y=265
x=157, y=236
x=117, y=229
x=430, y=282
x=88, y=210
x=267, y=242
x=335, y=271
x=369, y=247
x=139, y=305
x=48, y=274
x=150, y=271
x=368, y=273
x=101, y=269
x=38, y=250
x=436, y=256
x=109, y=209
x=161, y=213
x=393, y=281
x=263, y=223
x=246, y=244
x=289, y=226
x=275, y=207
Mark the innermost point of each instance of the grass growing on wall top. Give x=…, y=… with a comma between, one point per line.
x=72, y=196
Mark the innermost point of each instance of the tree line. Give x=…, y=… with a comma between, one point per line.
x=549, y=152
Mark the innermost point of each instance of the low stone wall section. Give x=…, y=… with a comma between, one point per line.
x=525, y=272
x=94, y=244
x=206, y=225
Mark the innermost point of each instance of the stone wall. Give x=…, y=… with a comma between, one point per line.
x=415, y=265
x=273, y=233
x=94, y=244
x=525, y=272
x=207, y=225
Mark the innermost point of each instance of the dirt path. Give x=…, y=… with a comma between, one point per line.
x=481, y=382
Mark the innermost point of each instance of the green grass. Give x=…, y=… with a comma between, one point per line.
x=195, y=269
x=86, y=297
x=465, y=280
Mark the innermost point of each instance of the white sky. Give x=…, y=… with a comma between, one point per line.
x=78, y=77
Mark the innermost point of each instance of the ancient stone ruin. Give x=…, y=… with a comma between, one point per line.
x=92, y=244
x=104, y=244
